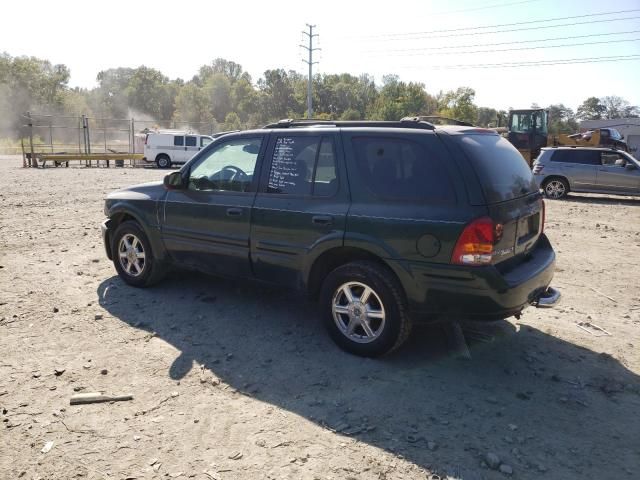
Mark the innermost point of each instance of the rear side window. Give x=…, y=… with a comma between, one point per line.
x=303, y=166
x=191, y=141
x=401, y=169
x=178, y=141
x=585, y=157
x=503, y=172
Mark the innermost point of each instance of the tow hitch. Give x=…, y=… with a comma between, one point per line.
x=548, y=299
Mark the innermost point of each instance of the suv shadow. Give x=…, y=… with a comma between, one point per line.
x=542, y=404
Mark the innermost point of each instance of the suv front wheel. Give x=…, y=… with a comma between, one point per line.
x=133, y=257
x=364, y=310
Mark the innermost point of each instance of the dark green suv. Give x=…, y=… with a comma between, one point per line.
x=385, y=223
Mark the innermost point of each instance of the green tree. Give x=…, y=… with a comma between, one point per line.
x=616, y=107
x=591, y=109
x=398, y=99
x=486, y=117
x=561, y=119
x=149, y=91
x=231, y=122
x=458, y=104
x=278, y=100
x=192, y=106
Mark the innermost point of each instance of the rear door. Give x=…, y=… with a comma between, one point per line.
x=511, y=194
x=579, y=166
x=613, y=176
x=300, y=209
x=406, y=195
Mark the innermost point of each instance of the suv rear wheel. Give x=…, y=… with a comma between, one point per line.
x=364, y=310
x=133, y=257
x=556, y=188
x=163, y=161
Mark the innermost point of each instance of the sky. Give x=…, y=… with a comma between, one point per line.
x=431, y=42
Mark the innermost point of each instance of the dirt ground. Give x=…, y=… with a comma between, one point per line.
x=234, y=381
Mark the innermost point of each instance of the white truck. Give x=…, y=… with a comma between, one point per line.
x=171, y=147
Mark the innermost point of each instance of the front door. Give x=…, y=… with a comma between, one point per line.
x=207, y=224
x=300, y=209
x=613, y=175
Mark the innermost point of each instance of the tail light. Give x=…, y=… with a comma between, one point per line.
x=475, y=244
x=544, y=216
x=537, y=169
x=146, y=138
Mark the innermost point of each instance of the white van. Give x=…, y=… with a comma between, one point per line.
x=167, y=148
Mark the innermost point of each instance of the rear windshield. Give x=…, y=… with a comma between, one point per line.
x=503, y=172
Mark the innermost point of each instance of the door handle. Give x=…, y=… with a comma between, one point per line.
x=234, y=212
x=322, y=219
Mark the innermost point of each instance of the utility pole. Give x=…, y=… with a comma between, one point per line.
x=310, y=62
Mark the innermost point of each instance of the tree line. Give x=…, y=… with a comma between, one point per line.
x=225, y=96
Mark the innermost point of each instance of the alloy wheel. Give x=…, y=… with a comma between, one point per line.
x=131, y=255
x=555, y=189
x=358, y=312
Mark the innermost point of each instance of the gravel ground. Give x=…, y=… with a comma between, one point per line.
x=235, y=381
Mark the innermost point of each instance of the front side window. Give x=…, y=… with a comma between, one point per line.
x=303, y=166
x=613, y=159
x=191, y=141
x=204, y=141
x=228, y=167
x=178, y=141
x=402, y=169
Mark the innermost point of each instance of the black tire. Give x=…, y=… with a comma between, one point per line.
x=388, y=293
x=555, y=188
x=163, y=161
x=149, y=271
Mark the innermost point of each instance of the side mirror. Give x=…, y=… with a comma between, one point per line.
x=630, y=166
x=174, y=181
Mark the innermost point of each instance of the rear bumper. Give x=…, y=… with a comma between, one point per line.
x=105, y=227
x=492, y=292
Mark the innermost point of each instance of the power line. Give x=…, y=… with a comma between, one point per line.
x=541, y=27
x=479, y=45
x=500, y=25
x=541, y=47
x=566, y=61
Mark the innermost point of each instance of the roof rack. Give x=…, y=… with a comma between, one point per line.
x=407, y=122
x=440, y=120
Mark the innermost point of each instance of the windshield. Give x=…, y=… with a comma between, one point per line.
x=634, y=160
x=524, y=122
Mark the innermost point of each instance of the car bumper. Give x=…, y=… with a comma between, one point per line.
x=105, y=227
x=492, y=292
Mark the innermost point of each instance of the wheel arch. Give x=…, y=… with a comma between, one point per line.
x=118, y=216
x=335, y=257
x=556, y=176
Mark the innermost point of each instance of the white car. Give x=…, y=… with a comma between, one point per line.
x=167, y=148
